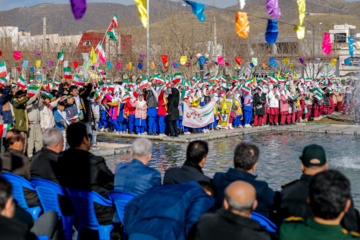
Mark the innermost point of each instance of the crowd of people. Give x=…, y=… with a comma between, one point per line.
x=185, y=204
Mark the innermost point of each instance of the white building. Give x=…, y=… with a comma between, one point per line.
x=340, y=46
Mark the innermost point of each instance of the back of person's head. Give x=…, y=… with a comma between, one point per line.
x=196, y=151
x=75, y=134
x=7, y=207
x=313, y=159
x=141, y=149
x=245, y=156
x=209, y=188
x=53, y=139
x=13, y=136
x=240, y=198
x=329, y=194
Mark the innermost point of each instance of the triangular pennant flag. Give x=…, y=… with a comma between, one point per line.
x=272, y=31
x=198, y=10
x=326, y=47
x=242, y=25
x=78, y=8
x=273, y=8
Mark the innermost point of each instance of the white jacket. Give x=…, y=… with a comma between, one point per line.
x=47, y=116
x=274, y=102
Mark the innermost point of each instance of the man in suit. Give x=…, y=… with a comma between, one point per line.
x=196, y=154
x=136, y=177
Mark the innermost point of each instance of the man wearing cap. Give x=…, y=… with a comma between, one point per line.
x=294, y=195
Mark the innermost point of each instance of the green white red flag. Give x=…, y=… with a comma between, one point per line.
x=21, y=82
x=67, y=73
x=4, y=128
x=3, y=72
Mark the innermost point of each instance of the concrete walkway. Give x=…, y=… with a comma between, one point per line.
x=300, y=127
x=109, y=149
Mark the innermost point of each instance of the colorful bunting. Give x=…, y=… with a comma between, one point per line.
x=285, y=60
x=108, y=65
x=202, y=60
x=272, y=61
x=220, y=60
x=254, y=61
x=242, y=25
x=51, y=63
x=76, y=65
x=198, y=10
x=333, y=62
x=326, y=47
x=164, y=59
x=300, y=30
x=152, y=65
x=272, y=31
x=118, y=65
x=140, y=66
x=142, y=9
x=183, y=60
x=17, y=55
x=242, y=4
x=78, y=8
x=25, y=63
x=92, y=56
x=238, y=60
x=38, y=63
x=273, y=8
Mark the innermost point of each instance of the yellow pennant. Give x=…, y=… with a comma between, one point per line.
x=302, y=11
x=285, y=60
x=143, y=14
x=291, y=65
x=38, y=63
x=92, y=56
x=295, y=75
x=183, y=60
x=333, y=62
x=278, y=76
x=300, y=32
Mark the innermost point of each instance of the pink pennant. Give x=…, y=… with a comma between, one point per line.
x=227, y=64
x=97, y=64
x=18, y=69
x=220, y=60
x=17, y=55
x=326, y=47
x=118, y=65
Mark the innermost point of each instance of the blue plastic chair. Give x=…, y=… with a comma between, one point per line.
x=48, y=192
x=43, y=238
x=120, y=199
x=83, y=202
x=18, y=183
x=265, y=222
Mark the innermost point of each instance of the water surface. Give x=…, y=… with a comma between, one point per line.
x=279, y=156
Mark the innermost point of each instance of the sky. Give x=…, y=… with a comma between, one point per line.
x=6, y=4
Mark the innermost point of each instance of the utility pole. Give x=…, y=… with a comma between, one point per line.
x=43, y=43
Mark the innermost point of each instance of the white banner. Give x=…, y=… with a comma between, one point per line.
x=198, y=117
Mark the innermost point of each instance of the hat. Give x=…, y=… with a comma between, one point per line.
x=311, y=152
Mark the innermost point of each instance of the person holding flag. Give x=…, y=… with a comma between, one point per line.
x=140, y=115
x=95, y=110
x=61, y=121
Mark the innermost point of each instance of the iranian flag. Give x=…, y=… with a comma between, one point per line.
x=21, y=82
x=96, y=95
x=272, y=79
x=248, y=82
x=67, y=73
x=223, y=79
x=177, y=78
x=144, y=83
x=31, y=91
x=57, y=82
x=61, y=55
x=2, y=82
x=111, y=32
x=115, y=21
x=222, y=117
x=265, y=80
x=308, y=80
x=49, y=86
x=78, y=81
x=281, y=80
x=3, y=72
x=31, y=80
x=101, y=52
x=4, y=128
x=125, y=98
x=102, y=86
x=101, y=72
x=319, y=95
x=73, y=118
x=157, y=78
x=245, y=89
x=331, y=77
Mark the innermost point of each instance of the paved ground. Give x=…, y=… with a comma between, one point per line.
x=108, y=149
x=300, y=127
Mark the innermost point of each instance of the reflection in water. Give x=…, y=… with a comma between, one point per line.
x=279, y=156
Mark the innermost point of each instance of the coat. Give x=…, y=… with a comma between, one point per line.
x=226, y=225
x=173, y=104
x=284, y=104
x=140, y=112
x=151, y=99
x=32, y=108
x=14, y=229
x=161, y=109
x=188, y=172
x=21, y=119
x=84, y=94
x=47, y=115
x=274, y=102
x=167, y=212
x=259, y=103
x=80, y=169
x=264, y=194
x=131, y=107
x=44, y=164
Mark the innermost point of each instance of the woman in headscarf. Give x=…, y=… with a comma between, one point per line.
x=173, y=112
x=140, y=115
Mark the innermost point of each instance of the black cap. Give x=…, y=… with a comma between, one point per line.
x=311, y=152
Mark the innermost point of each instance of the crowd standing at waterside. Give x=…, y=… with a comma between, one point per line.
x=48, y=131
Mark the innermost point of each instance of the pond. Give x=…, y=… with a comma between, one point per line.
x=279, y=156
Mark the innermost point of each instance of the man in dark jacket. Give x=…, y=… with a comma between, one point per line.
x=173, y=112
x=80, y=169
x=233, y=220
x=152, y=103
x=167, y=212
x=15, y=161
x=245, y=161
x=294, y=195
x=192, y=169
x=44, y=164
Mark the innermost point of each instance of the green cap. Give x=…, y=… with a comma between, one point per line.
x=312, y=152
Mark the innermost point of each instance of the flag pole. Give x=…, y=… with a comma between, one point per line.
x=56, y=69
x=148, y=40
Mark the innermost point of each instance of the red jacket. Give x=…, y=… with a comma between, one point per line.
x=161, y=109
x=131, y=107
